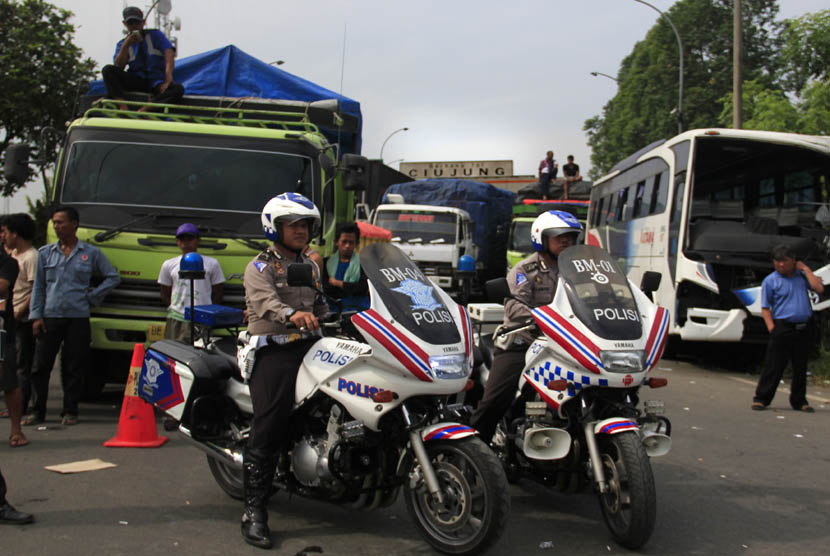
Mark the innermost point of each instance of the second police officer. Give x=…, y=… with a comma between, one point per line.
x=532, y=284
x=290, y=220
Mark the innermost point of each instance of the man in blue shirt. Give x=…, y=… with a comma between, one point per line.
x=59, y=310
x=786, y=310
x=343, y=277
x=151, y=60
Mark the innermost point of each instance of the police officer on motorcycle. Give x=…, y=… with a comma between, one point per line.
x=289, y=220
x=532, y=283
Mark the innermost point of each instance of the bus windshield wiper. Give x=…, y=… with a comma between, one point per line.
x=112, y=232
x=258, y=245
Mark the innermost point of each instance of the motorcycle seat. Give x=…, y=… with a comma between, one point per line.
x=225, y=347
x=205, y=364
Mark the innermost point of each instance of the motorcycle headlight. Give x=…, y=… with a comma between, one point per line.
x=449, y=366
x=623, y=361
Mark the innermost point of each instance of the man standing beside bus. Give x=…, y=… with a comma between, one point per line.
x=59, y=310
x=786, y=309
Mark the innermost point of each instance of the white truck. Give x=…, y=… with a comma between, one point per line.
x=432, y=236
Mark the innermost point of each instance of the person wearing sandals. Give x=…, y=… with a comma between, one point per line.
x=786, y=309
x=8, y=366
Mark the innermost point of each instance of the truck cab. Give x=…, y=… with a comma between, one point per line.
x=432, y=236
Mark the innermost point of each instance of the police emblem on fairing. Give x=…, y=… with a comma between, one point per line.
x=419, y=293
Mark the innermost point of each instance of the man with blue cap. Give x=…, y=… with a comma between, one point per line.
x=175, y=291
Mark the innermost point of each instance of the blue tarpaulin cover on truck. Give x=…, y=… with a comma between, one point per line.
x=489, y=206
x=230, y=72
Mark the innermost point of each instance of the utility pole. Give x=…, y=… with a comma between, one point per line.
x=737, y=82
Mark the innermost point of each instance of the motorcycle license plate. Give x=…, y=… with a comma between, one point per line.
x=654, y=407
x=155, y=332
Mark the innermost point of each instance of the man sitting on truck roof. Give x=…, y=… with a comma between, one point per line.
x=151, y=59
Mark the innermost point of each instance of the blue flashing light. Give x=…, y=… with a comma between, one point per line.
x=466, y=263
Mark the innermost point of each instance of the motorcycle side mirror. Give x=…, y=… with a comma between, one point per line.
x=497, y=290
x=300, y=274
x=650, y=282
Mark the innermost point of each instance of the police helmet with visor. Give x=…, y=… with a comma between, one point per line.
x=553, y=223
x=288, y=208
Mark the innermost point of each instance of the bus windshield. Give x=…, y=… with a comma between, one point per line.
x=426, y=226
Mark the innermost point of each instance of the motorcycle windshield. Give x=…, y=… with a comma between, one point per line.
x=407, y=294
x=599, y=293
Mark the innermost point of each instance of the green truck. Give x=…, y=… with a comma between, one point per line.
x=135, y=176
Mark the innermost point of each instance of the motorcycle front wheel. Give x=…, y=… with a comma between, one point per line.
x=629, y=506
x=227, y=477
x=476, y=500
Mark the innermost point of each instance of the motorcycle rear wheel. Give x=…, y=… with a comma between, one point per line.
x=227, y=477
x=629, y=507
x=476, y=498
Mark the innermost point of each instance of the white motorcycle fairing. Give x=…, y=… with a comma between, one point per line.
x=396, y=356
x=571, y=351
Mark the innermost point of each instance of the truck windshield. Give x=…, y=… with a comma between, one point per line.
x=428, y=226
x=152, y=171
x=520, y=237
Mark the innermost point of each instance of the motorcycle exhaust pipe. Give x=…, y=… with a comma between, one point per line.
x=655, y=443
x=225, y=455
x=545, y=443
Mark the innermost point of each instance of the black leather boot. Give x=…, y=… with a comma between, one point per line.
x=258, y=474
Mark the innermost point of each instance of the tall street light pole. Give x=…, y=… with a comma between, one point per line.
x=387, y=139
x=737, y=83
x=598, y=73
x=680, y=49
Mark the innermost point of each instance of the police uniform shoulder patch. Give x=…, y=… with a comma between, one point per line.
x=520, y=278
x=260, y=266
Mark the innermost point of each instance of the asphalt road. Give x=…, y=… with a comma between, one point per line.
x=736, y=482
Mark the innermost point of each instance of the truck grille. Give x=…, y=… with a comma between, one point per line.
x=145, y=294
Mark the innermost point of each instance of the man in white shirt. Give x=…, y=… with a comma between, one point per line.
x=175, y=292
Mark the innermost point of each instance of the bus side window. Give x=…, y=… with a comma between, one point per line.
x=659, y=193
x=612, y=209
x=639, y=199
x=623, y=213
x=598, y=212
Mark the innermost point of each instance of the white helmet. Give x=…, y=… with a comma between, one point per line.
x=288, y=207
x=551, y=224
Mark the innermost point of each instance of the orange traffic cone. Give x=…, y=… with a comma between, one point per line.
x=137, y=424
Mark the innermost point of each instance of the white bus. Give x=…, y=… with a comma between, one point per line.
x=705, y=209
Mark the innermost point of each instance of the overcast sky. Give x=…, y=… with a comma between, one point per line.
x=472, y=80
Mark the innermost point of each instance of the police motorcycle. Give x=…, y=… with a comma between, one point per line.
x=575, y=418
x=370, y=418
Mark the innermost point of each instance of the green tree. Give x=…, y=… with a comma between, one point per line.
x=643, y=109
x=800, y=103
x=43, y=75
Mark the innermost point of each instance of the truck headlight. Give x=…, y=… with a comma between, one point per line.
x=623, y=361
x=449, y=366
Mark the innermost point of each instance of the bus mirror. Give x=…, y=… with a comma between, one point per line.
x=650, y=282
x=355, y=170
x=497, y=290
x=16, y=168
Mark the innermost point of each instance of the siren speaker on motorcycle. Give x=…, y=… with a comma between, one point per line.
x=656, y=444
x=545, y=443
